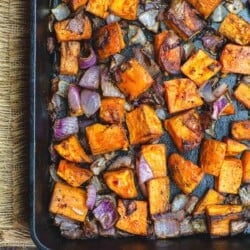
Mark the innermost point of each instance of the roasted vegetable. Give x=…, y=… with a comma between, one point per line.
x=186, y=175
x=234, y=147
x=69, y=201
x=242, y=94
x=98, y=7
x=72, y=150
x=245, y=159
x=241, y=130
x=166, y=228
x=76, y=4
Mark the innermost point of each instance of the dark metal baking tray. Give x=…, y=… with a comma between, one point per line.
x=44, y=234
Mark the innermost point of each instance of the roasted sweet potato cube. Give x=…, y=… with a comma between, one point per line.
x=126, y=9
x=69, y=201
x=72, y=173
x=234, y=147
x=222, y=210
x=230, y=176
x=103, y=138
x=183, y=19
x=235, y=29
x=70, y=52
x=185, y=130
x=200, y=67
x=242, y=94
x=235, y=59
x=158, y=195
x=159, y=40
x=181, y=94
x=245, y=159
x=98, y=7
x=122, y=182
x=143, y=125
x=134, y=80
x=109, y=40
x=76, y=4
x=205, y=7
x=155, y=156
x=240, y=130
x=112, y=109
x=72, y=150
x=186, y=174
x=133, y=217
x=212, y=156
x=74, y=29
x=210, y=198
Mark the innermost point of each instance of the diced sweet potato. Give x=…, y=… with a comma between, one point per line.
x=109, y=40
x=126, y=9
x=143, y=125
x=103, y=138
x=240, y=130
x=183, y=19
x=112, y=110
x=69, y=201
x=229, y=109
x=181, y=94
x=235, y=29
x=186, y=175
x=200, y=67
x=72, y=150
x=155, y=156
x=235, y=59
x=159, y=39
x=230, y=176
x=121, y=182
x=212, y=156
x=205, y=7
x=70, y=52
x=158, y=195
x=134, y=221
x=242, y=94
x=210, y=198
x=73, y=174
x=245, y=159
x=77, y=28
x=98, y=7
x=185, y=130
x=234, y=147
x=76, y=4
x=134, y=80
x=222, y=210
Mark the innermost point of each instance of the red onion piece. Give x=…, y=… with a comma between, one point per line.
x=218, y=106
x=220, y=90
x=91, y=78
x=91, y=196
x=53, y=173
x=206, y=92
x=74, y=100
x=65, y=127
x=90, y=102
x=89, y=61
x=61, y=12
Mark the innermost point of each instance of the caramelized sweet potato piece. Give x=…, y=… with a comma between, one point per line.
x=69, y=201
x=126, y=9
x=112, y=109
x=212, y=156
x=185, y=130
x=72, y=173
x=200, y=67
x=242, y=94
x=103, y=138
x=98, y=7
x=74, y=29
x=186, y=175
x=134, y=80
x=70, y=52
x=241, y=130
x=109, y=40
x=121, y=182
x=72, y=150
x=235, y=59
x=234, y=147
x=235, y=29
x=245, y=159
x=158, y=195
x=229, y=109
x=158, y=41
x=155, y=156
x=134, y=221
x=181, y=94
x=210, y=198
x=143, y=125
x=230, y=176
x=76, y=4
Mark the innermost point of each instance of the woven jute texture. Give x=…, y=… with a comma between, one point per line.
x=14, y=83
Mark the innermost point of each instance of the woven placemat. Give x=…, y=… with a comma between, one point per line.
x=14, y=83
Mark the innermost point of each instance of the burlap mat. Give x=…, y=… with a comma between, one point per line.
x=14, y=83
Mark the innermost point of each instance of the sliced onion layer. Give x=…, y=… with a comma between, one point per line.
x=90, y=102
x=74, y=100
x=91, y=78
